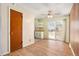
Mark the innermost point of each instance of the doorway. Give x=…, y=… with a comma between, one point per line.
x=15, y=30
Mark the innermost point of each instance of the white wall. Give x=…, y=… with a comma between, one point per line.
x=28, y=30
x=0, y=29
x=4, y=40
x=28, y=26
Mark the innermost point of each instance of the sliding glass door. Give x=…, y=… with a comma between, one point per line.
x=56, y=30
x=51, y=29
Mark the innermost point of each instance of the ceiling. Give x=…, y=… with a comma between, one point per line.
x=43, y=8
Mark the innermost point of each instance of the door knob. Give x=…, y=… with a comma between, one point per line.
x=12, y=33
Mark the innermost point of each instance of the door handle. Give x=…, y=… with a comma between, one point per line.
x=11, y=33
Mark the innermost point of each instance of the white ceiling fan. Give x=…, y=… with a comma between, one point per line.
x=49, y=14
x=52, y=14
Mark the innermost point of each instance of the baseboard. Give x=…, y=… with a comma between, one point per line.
x=28, y=44
x=72, y=49
x=2, y=54
x=5, y=53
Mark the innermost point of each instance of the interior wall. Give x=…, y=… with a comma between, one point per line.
x=28, y=26
x=4, y=33
x=28, y=29
x=0, y=29
x=74, y=28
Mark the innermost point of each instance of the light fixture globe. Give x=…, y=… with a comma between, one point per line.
x=50, y=14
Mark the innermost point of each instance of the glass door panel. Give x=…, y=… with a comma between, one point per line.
x=56, y=30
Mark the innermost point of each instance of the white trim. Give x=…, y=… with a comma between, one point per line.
x=9, y=29
x=72, y=49
x=28, y=44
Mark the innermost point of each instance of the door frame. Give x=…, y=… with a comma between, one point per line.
x=9, y=27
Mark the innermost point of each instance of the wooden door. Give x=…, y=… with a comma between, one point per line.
x=15, y=30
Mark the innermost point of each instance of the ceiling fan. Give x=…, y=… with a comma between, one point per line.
x=49, y=14
x=52, y=14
